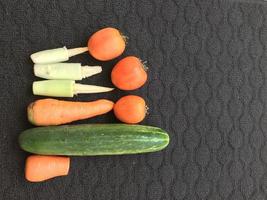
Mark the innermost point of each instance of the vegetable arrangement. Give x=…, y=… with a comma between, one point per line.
x=104, y=45
x=52, y=143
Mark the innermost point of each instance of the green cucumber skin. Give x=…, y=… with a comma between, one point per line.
x=93, y=139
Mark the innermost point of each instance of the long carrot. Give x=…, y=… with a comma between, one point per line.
x=47, y=112
x=40, y=168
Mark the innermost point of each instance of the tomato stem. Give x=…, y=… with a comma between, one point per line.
x=147, y=108
x=125, y=38
x=145, y=67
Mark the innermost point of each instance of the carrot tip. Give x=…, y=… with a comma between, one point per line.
x=67, y=167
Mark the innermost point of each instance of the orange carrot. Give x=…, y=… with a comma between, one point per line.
x=129, y=73
x=47, y=112
x=106, y=44
x=130, y=109
x=41, y=168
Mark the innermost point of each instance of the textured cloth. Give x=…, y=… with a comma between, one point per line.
x=207, y=87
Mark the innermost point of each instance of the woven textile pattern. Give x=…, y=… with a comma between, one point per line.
x=207, y=87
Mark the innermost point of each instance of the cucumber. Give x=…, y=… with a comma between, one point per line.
x=93, y=139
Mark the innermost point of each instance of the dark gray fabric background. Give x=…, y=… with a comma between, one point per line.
x=207, y=87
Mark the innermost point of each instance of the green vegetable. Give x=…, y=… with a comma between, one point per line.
x=56, y=55
x=64, y=88
x=93, y=139
x=70, y=71
x=53, y=88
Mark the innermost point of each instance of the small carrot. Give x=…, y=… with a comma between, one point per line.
x=47, y=112
x=41, y=168
x=130, y=109
x=106, y=44
x=129, y=73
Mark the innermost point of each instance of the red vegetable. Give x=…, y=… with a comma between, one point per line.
x=129, y=74
x=130, y=109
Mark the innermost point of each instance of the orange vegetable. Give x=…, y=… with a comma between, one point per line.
x=41, y=168
x=129, y=74
x=47, y=112
x=106, y=44
x=130, y=109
